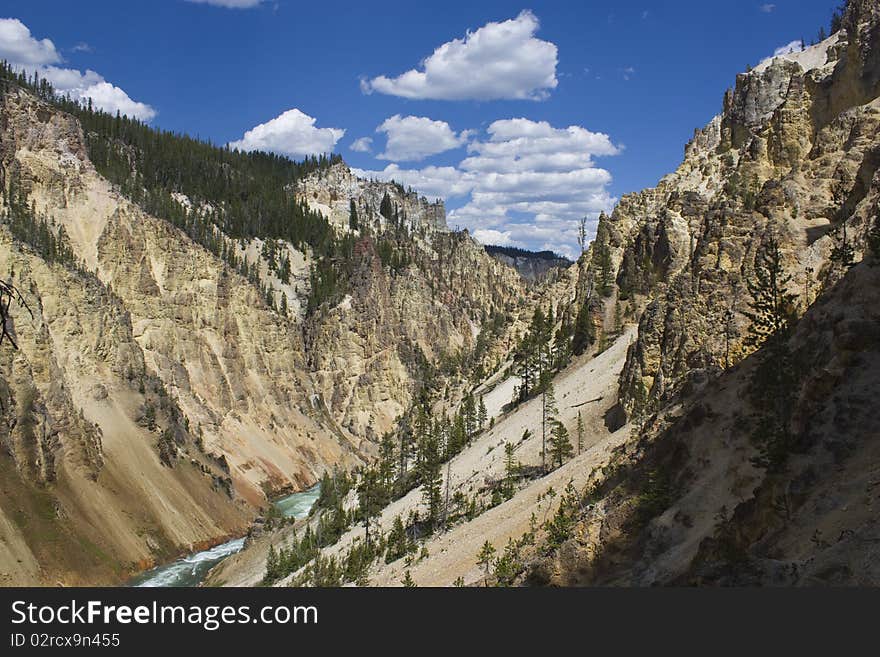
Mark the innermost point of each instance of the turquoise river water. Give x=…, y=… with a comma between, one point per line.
x=191, y=569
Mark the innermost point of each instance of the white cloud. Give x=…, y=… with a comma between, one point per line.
x=517, y=145
x=768, y=8
x=527, y=185
x=434, y=182
x=498, y=61
x=23, y=51
x=413, y=138
x=789, y=48
x=229, y=4
x=112, y=99
x=82, y=46
x=291, y=133
x=533, y=182
x=108, y=97
x=495, y=237
x=17, y=46
x=67, y=79
x=362, y=145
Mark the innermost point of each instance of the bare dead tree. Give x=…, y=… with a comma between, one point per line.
x=9, y=294
x=582, y=234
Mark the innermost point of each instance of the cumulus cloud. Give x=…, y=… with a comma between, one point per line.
x=104, y=95
x=532, y=182
x=292, y=133
x=229, y=4
x=19, y=47
x=528, y=184
x=362, y=145
x=497, y=61
x=23, y=51
x=434, y=182
x=496, y=237
x=517, y=145
x=413, y=138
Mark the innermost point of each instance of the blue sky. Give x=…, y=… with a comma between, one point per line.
x=531, y=115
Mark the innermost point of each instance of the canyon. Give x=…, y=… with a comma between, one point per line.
x=173, y=374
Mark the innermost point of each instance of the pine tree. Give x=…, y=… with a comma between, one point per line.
x=371, y=499
x=562, y=345
x=386, y=208
x=431, y=477
x=580, y=433
x=773, y=379
x=511, y=468
x=843, y=254
x=602, y=258
x=545, y=346
x=548, y=414
x=772, y=305
x=272, y=571
x=457, y=435
x=407, y=580
x=484, y=558
x=481, y=414
x=584, y=331
x=386, y=460
x=469, y=413
x=522, y=369
x=560, y=443
x=398, y=545
x=353, y=222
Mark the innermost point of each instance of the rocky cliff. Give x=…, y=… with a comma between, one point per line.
x=394, y=331
x=420, y=295
x=234, y=367
x=332, y=191
x=793, y=157
x=749, y=464
x=688, y=502
x=100, y=475
x=152, y=365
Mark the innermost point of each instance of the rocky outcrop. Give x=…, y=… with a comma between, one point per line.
x=375, y=350
x=687, y=504
x=372, y=351
x=794, y=155
x=331, y=192
x=749, y=467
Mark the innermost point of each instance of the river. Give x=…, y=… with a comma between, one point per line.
x=191, y=569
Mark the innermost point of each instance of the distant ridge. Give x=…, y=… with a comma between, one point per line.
x=531, y=265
